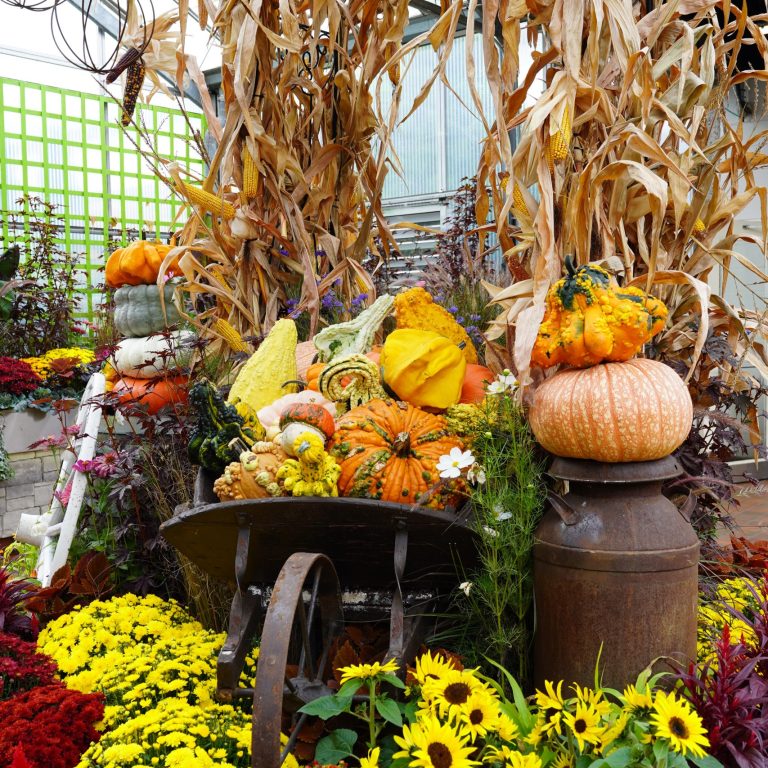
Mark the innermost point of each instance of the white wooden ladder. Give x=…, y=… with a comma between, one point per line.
x=54, y=530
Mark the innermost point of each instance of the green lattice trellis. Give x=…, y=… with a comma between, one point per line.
x=68, y=148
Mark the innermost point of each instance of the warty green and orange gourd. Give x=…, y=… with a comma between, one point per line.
x=590, y=319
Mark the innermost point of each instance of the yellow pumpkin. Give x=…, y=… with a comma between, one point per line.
x=638, y=410
x=138, y=264
x=423, y=368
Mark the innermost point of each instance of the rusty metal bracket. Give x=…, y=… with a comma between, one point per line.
x=397, y=620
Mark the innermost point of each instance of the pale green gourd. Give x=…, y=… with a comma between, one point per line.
x=138, y=311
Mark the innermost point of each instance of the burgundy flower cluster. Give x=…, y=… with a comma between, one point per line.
x=48, y=727
x=21, y=667
x=17, y=377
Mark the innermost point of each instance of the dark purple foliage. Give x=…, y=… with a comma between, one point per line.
x=730, y=692
x=15, y=619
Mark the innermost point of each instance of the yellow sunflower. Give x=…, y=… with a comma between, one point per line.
x=372, y=761
x=511, y=758
x=428, y=743
x=637, y=699
x=479, y=714
x=550, y=703
x=429, y=667
x=506, y=727
x=592, y=698
x=614, y=730
x=449, y=692
x=367, y=671
x=584, y=723
x=564, y=760
x=675, y=721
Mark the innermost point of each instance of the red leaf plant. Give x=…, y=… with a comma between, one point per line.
x=17, y=377
x=21, y=667
x=52, y=725
x=730, y=690
x=15, y=619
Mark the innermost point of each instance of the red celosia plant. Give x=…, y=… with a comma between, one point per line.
x=22, y=667
x=730, y=691
x=15, y=619
x=20, y=760
x=17, y=377
x=51, y=724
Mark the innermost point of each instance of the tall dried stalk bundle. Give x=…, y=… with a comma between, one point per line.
x=632, y=161
x=298, y=88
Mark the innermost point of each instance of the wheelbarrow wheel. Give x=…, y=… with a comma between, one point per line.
x=303, y=619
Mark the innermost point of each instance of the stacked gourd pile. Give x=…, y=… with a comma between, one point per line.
x=146, y=366
x=605, y=406
x=338, y=416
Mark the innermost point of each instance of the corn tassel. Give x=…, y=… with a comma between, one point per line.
x=558, y=145
x=208, y=201
x=250, y=175
x=230, y=335
x=699, y=227
x=134, y=79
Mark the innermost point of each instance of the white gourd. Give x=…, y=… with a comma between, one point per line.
x=149, y=356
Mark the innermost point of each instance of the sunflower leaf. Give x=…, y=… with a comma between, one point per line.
x=392, y=680
x=389, y=710
x=335, y=747
x=326, y=707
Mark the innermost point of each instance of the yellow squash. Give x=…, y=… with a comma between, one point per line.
x=590, y=319
x=423, y=368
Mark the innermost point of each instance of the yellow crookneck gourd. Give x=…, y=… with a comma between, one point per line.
x=313, y=472
x=590, y=319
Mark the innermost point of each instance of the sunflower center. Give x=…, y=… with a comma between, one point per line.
x=440, y=755
x=457, y=693
x=678, y=728
x=580, y=725
x=551, y=713
x=476, y=716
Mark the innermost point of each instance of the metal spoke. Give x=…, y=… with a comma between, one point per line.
x=306, y=649
x=293, y=738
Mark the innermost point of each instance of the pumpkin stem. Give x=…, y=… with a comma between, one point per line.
x=402, y=444
x=570, y=266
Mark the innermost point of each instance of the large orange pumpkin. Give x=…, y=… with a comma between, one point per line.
x=152, y=394
x=138, y=264
x=389, y=450
x=638, y=410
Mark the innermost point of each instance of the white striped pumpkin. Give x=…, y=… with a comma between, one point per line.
x=639, y=410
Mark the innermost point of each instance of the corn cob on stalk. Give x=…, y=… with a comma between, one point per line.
x=230, y=335
x=518, y=201
x=207, y=201
x=128, y=58
x=250, y=175
x=134, y=79
x=699, y=227
x=559, y=144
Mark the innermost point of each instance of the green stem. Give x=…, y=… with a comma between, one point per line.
x=371, y=714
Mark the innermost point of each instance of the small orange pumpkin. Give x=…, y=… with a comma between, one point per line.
x=152, y=394
x=389, y=450
x=138, y=264
x=476, y=379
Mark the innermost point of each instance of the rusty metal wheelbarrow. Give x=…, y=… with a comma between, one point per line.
x=305, y=566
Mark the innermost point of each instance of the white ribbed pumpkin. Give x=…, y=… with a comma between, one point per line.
x=639, y=410
x=146, y=357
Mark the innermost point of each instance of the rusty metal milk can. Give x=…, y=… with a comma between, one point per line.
x=615, y=565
